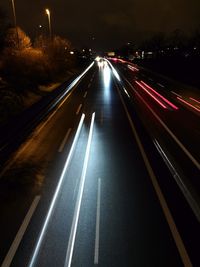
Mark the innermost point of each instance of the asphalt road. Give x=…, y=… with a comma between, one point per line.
x=98, y=188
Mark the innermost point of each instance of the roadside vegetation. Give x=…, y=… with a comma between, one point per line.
x=28, y=66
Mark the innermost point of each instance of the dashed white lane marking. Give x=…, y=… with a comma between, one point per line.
x=168, y=216
x=161, y=85
x=96, y=250
x=62, y=145
x=78, y=109
x=85, y=94
x=176, y=94
x=11, y=253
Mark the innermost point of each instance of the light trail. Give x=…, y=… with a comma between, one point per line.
x=188, y=104
x=162, y=97
x=158, y=101
x=51, y=208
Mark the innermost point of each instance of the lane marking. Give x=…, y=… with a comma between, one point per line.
x=175, y=93
x=91, y=79
x=85, y=94
x=191, y=201
x=71, y=242
x=195, y=162
x=57, y=191
x=161, y=85
x=78, y=109
x=98, y=213
x=89, y=85
x=175, y=233
x=150, y=79
x=11, y=253
x=40, y=127
x=62, y=145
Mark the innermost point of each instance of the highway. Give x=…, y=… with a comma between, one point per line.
x=105, y=179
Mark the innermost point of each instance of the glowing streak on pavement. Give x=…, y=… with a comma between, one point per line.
x=161, y=104
x=188, y=104
x=195, y=100
x=163, y=98
x=43, y=231
x=74, y=226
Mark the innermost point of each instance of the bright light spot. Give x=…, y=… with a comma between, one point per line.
x=47, y=11
x=100, y=64
x=72, y=52
x=97, y=59
x=106, y=75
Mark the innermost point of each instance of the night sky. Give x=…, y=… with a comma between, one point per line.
x=107, y=23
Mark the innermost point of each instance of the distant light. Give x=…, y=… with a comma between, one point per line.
x=90, y=49
x=83, y=50
x=40, y=26
x=72, y=52
x=97, y=59
x=195, y=48
x=47, y=11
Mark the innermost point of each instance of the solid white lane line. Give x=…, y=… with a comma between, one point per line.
x=11, y=253
x=71, y=242
x=78, y=109
x=96, y=250
x=51, y=208
x=195, y=162
x=191, y=201
x=175, y=94
x=62, y=145
x=168, y=216
x=85, y=94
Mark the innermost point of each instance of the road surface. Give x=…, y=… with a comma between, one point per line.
x=99, y=192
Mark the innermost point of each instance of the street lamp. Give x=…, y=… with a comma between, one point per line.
x=49, y=19
x=15, y=22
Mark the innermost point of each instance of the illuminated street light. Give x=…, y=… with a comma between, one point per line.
x=49, y=20
x=15, y=23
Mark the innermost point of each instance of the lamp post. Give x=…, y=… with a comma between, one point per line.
x=15, y=23
x=49, y=20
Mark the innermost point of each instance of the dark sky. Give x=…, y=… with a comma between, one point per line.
x=111, y=22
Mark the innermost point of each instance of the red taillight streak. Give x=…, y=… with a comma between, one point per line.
x=195, y=100
x=190, y=105
x=162, y=97
x=160, y=103
x=132, y=68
